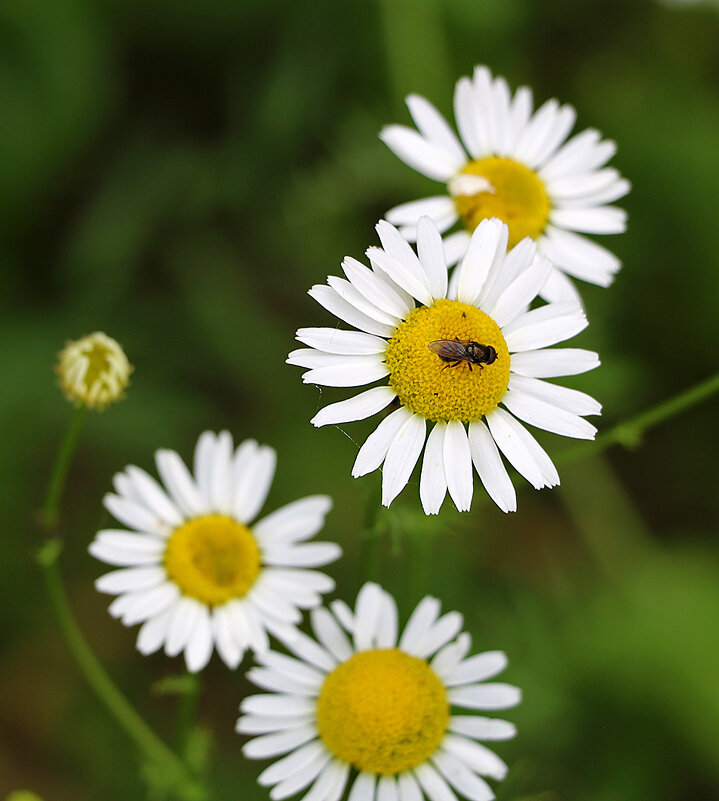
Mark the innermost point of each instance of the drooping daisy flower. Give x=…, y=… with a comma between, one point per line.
x=93, y=370
x=469, y=347
x=194, y=572
x=519, y=169
x=380, y=706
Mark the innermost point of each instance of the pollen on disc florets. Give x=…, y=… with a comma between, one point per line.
x=213, y=559
x=514, y=193
x=427, y=385
x=94, y=370
x=383, y=711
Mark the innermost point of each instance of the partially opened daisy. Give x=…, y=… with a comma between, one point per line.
x=515, y=165
x=194, y=571
x=379, y=707
x=470, y=346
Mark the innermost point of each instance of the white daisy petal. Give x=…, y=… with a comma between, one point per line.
x=130, y=579
x=176, y=477
x=544, y=326
x=477, y=668
x=420, y=154
x=579, y=256
x=505, y=269
x=481, y=728
x=270, y=745
x=374, y=451
x=368, y=606
x=547, y=416
x=457, y=459
x=461, y=777
x=444, y=630
x=433, y=482
x=186, y=615
x=353, y=371
x=292, y=521
x=466, y=117
x=571, y=400
x=301, y=778
x=199, y=648
x=330, y=300
x=485, y=696
x=386, y=635
x=431, y=255
x=313, y=554
x=306, y=648
x=475, y=756
x=358, y=408
x=402, y=456
x=559, y=287
x=344, y=615
x=204, y=454
x=520, y=292
x=377, y=291
x=433, y=126
x=291, y=764
x=138, y=606
x=419, y=624
x=227, y=646
x=412, y=280
x=387, y=789
x=264, y=724
x=133, y=515
x=221, y=485
x=582, y=153
x=408, y=787
x=363, y=788
x=521, y=449
x=124, y=549
x=360, y=301
x=579, y=185
x=488, y=464
x=440, y=209
x=602, y=220
x=330, y=634
x=433, y=784
x=448, y=657
x=278, y=705
x=474, y=268
x=253, y=482
x=553, y=363
x=455, y=246
x=347, y=343
x=152, y=633
x=154, y=497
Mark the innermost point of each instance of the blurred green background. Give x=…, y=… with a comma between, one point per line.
x=178, y=175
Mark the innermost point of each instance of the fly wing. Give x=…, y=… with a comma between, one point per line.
x=450, y=350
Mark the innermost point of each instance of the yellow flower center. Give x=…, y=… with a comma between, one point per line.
x=382, y=711
x=516, y=195
x=438, y=389
x=213, y=558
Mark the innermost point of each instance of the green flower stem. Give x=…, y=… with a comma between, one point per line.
x=48, y=516
x=114, y=701
x=187, y=710
x=630, y=432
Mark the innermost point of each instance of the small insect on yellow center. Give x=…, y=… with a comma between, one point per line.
x=213, y=559
x=440, y=389
x=383, y=711
x=510, y=191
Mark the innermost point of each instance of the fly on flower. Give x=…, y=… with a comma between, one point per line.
x=518, y=166
x=482, y=317
x=457, y=351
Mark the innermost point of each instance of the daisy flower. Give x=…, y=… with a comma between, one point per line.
x=380, y=706
x=519, y=167
x=503, y=357
x=194, y=571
